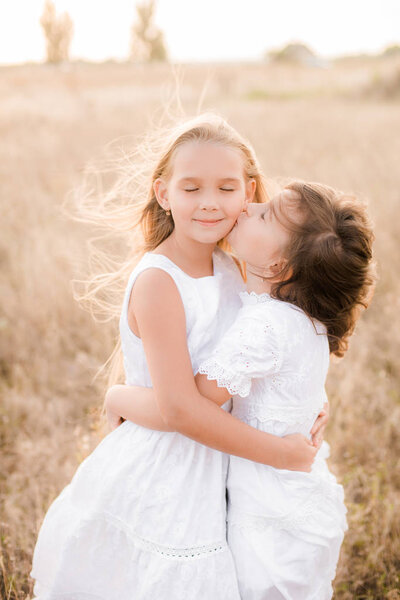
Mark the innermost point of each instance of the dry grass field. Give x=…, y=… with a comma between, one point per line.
x=339, y=125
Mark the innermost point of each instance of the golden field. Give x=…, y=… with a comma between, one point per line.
x=339, y=125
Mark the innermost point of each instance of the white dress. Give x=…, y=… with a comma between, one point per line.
x=285, y=528
x=144, y=517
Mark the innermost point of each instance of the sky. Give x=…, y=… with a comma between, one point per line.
x=206, y=30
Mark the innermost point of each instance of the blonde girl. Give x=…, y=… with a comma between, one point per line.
x=144, y=516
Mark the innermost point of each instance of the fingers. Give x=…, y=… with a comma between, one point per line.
x=321, y=421
x=317, y=440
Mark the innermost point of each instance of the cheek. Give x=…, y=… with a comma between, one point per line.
x=243, y=238
x=253, y=243
x=234, y=206
x=181, y=206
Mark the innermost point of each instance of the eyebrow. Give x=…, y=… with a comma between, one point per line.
x=223, y=179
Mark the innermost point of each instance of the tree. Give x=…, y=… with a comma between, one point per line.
x=58, y=31
x=297, y=54
x=393, y=50
x=294, y=53
x=147, y=39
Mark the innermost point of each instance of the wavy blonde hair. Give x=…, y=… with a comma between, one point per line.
x=129, y=219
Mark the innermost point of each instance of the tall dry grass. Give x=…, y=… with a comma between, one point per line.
x=314, y=124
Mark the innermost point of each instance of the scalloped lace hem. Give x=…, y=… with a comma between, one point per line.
x=254, y=298
x=234, y=383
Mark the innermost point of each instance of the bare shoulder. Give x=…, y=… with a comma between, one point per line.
x=155, y=292
x=153, y=280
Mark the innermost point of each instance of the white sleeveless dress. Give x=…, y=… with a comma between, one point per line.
x=144, y=517
x=285, y=528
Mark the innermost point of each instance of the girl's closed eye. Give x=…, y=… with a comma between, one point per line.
x=222, y=189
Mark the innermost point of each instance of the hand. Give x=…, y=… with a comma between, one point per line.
x=299, y=453
x=317, y=431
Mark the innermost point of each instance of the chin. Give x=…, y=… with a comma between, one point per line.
x=208, y=239
x=214, y=236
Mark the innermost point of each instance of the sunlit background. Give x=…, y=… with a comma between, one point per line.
x=223, y=30
x=314, y=85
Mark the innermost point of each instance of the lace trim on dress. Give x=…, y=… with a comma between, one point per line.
x=188, y=553
x=287, y=414
x=236, y=384
x=181, y=553
x=253, y=298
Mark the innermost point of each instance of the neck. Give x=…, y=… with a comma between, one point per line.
x=192, y=257
x=255, y=282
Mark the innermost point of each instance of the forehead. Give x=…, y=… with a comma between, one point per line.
x=286, y=198
x=286, y=208
x=207, y=159
x=286, y=201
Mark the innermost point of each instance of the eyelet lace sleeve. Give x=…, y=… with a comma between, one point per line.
x=248, y=350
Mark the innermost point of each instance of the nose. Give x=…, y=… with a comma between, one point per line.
x=208, y=202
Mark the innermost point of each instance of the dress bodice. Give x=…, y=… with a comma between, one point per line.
x=210, y=303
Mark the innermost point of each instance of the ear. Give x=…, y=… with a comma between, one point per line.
x=277, y=267
x=250, y=191
x=161, y=193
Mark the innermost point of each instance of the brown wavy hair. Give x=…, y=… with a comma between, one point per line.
x=329, y=272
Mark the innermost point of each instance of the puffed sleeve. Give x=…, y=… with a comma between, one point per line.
x=249, y=349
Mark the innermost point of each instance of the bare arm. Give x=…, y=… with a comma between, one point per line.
x=220, y=395
x=136, y=404
x=139, y=405
x=160, y=316
x=210, y=389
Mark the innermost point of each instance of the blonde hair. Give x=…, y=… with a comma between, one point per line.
x=130, y=209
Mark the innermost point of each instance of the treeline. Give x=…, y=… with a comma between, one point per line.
x=148, y=43
x=147, y=40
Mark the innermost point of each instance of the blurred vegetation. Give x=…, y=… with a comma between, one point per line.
x=58, y=31
x=296, y=53
x=393, y=50
x=147, y=42
x=329, y=129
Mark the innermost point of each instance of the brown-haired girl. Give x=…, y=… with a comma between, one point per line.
x=144, y=516
x=308, y=258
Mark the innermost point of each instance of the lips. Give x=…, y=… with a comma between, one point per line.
x=208, y=222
